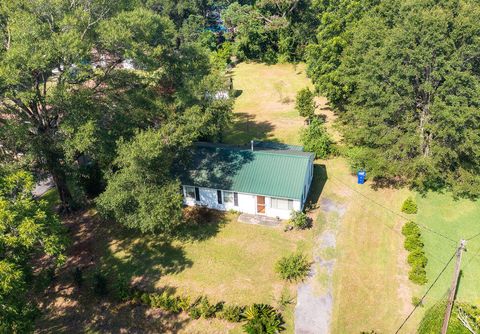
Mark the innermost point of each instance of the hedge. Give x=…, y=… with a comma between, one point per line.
x=416, y=259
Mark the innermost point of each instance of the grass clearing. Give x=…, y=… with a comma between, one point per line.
x=456, y=219
x=265, y=107
x=371, y=289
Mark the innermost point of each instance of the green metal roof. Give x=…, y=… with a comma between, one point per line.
x=277, y=173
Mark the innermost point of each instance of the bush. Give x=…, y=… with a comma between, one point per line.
x=413, y=242
x=417, y=301
x=409, y=206
x=78, y=277
x=417, y=258
x=122, y=288
x=316, y=139
x=305, y=103
x=418, y=275
x=165, y=301
x=262, y=318
x=231, y=313
x=100, y=284
x=203, y=308
x=411, y=228
x=294, y=267
x=300, y=220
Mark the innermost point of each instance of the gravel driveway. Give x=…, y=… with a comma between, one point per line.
x=313, y=311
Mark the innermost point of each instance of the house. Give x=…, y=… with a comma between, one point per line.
x=260, y=180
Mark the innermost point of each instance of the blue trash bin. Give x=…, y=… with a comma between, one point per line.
x=362, y=175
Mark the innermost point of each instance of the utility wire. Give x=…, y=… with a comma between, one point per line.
x=395, y=212
x=426, y=292
x=473, y=237
x=400, y=234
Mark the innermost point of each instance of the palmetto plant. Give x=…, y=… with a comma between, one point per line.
x=262, y=319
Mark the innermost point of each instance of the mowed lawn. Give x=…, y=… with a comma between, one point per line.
x=227, y=261
x=456, y=219
x=265, y=106
x=371, y=290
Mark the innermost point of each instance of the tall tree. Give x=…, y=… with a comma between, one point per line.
x=412, y=107
x=334, y=33
x=27, y=229
x=77, y=76
x=141, y=193
x=305, y=104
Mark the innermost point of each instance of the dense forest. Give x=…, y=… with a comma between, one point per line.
x=105, y=96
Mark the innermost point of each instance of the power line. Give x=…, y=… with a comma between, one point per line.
x=473, y=237
x=400, y=234
x=395, y=212
x=426, y=292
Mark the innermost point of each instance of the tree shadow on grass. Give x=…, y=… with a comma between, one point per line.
x=245, y=128
x=121, y=255
x=320, y=177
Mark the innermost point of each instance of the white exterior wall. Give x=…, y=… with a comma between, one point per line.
x=246, y=203
x=283, y=214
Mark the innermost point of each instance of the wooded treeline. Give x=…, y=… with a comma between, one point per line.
x=105, y=96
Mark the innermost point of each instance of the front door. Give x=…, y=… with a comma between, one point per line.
x=261, y=204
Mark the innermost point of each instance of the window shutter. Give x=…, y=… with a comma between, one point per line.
x=219, y=196
x=197, y=194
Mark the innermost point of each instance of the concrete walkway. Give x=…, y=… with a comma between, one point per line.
x=313, y=312
x=258, y=220
x=43, y=186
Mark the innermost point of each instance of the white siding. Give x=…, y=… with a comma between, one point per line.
x=283, y=214
x=246, y=203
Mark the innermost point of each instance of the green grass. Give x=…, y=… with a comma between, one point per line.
x=52, y=198
x=265, y=107
x=457, y=219
x=226, y=261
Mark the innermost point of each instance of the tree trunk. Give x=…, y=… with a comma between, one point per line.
x=53, y=163
x=62, y=188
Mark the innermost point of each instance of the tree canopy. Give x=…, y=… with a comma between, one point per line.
x=404, y=78
x=75, y=77
x=27, y=229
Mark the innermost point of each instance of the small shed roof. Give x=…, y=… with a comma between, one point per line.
x=269, y=172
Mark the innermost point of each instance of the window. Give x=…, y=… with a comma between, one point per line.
x=282, y=204
x=219, y=197
x=197, y=194
x=228, y=197
x=190, y=192
x=235, y=199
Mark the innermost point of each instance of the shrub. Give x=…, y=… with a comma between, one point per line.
x=183, y=303
x=122, y=288
x=300, y=220
x=316, y=139
x=305, y=103
x=417, y=301
x=409, y=206
x=418, y=275
x=207, y=310
x=165, y=301
x=232, y=313
x=417, y=258
x=413, y=242
x=203, y=308
x=285, y=299
x=100, y=284
x=262, y=318
x=294, y=267
x=78, y=277
x=194, y=313
x=411, y=228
